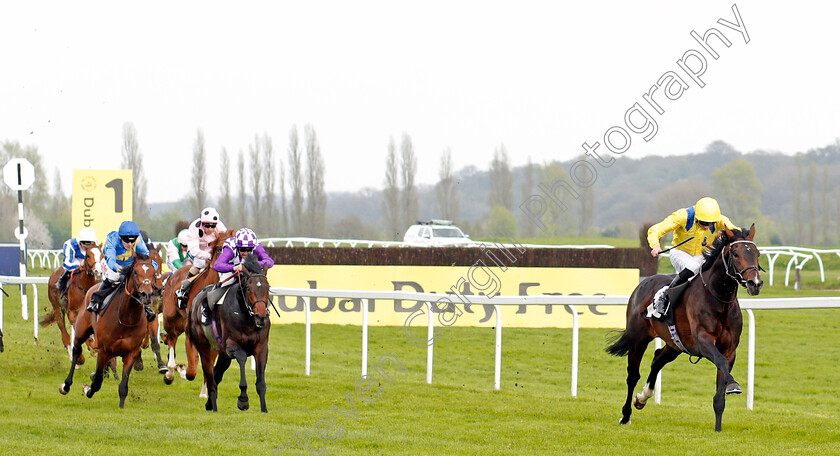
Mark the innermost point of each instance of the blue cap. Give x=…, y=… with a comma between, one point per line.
x=129, y=228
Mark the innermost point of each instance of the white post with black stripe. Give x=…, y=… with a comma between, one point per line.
x=19, y=175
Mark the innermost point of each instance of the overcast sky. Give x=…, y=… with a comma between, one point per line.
x=542, y=78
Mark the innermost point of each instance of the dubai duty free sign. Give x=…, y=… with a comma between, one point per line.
x=102, y=199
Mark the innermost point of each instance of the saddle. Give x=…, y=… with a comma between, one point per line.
x=208, y=298
x=109, y=297
x=673, y=295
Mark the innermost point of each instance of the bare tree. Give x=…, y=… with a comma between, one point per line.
x=446, y=190
x=268, y=222
x=199, y=175
x=316, y=197
x=225, y=201
x=243, y=197
x=296, y=182
x=501, y=180
x=133, y=160
x=527, y=226
x=825, y=213
x=256, y=170
x=391, y=195
x=283, y=213
x=408, y=168
x=812, y=204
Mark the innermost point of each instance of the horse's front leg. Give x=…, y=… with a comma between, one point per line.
x=102, y=358
x=261, y=356
x=128, y=363
x=242, y=400
x=154, y=333
x=726, y=384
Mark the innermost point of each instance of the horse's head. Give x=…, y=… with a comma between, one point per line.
x=141, y=279
x=93, y=262
x=219, y=243
x=154, y=255
x=255, y=289
x=740, y=256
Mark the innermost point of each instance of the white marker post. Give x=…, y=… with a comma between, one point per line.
x=19, y=175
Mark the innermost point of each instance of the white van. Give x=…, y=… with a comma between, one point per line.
x=437, y=233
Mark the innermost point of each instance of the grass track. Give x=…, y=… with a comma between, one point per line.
x=797, y=407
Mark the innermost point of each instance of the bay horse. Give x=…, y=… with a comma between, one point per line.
x=152, y=337
x=243, y=324
x=88, y=274
x=175, y=319
x=707, y=319
x=119, y=330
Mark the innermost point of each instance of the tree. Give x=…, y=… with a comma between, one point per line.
x=133, y=160
x=797, y=201
x=812, y=204
x=269, y=225
x=199, y=175
x=316, y=197
x=501, y=179
x=559, y=220
x=283, y=213
x=586, y=219
x=391, y=195
x=58, y=223
x=826, y=210
x=446, y=189
x=527, y=226
x=243, y=197
x=296, y=182
x=256, y=171
x=501, y=218
x=738, y=191
x=225, y=201
x=408, y=168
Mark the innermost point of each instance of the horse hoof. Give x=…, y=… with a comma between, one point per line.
x=62, y=390
x=637, y=404
x=168, y=378
x=163, y=369
x=78, y=366
x=622, y=422
x=86, y=391
x=242, y=405
x=733, y=388
x=138, y=365
x=92, y=374
x=202, y=395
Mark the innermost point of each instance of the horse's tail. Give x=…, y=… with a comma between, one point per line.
x=620, y=345
x=48, y=319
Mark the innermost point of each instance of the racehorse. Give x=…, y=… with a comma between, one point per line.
x=152, y=338
x=240, y=330
x=707, y=319
x=82, y=278
x=119, y=329
x=175, y=319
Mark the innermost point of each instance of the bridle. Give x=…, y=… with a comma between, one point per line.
x=728, y=264
x=137, y=286
x=249, y=306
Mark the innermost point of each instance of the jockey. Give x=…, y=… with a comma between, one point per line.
x=177, y=254
x=693, y=228
x=75, y=250
x=201, y=234
x=120, y=247
x=229, y=262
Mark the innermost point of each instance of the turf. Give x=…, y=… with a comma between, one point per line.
x=796, y=403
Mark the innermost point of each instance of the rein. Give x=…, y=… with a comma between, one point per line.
x=249, y=306
x=738, y=277
x=131, y=296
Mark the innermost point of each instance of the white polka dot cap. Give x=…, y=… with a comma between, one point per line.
x=209, y=215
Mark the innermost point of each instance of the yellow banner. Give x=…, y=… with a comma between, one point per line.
x=102, y=199
x=441, y=279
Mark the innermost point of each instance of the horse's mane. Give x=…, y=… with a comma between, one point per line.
x=252, y=264
x=720, y=242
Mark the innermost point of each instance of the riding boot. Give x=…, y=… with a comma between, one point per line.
x=206, y=314
x=62, y=282
x=150, y=314
x=99, y=295
x=674, y=290
x=184, y=292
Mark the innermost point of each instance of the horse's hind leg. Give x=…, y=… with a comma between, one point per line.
x=661, y=357
x=634, y=359
x=102, y=359
x=212, y=390
x=155, y=334
x=242, y=400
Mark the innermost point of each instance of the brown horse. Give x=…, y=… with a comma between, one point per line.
x=119, y=330
x=707, y=319
x=85, y=276
x=152, y=338
x=243, y=325
x=175, y=319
